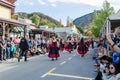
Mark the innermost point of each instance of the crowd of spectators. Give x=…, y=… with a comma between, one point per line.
x=22, y=47
x=108, y=57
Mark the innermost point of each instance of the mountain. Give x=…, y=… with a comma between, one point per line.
x=44, y=19
x=83, y=20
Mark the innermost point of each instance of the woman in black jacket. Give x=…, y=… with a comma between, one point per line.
x=23, y=49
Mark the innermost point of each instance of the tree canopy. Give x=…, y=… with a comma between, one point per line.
x=100, y=17
x=35, y=19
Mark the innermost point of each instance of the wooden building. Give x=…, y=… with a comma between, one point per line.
x=6, y=23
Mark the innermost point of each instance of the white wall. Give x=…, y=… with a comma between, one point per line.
x=5, y=12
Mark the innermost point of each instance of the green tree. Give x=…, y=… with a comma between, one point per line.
x=80, y=30
x=47, y=22
x=69, y=22
x=35, y=19
x=96, y=31
x=22, y=15
x=60, y=23
x=14, y=17
x=109, y=9
x=100, y=17
x=43, y=22
x=52, y=25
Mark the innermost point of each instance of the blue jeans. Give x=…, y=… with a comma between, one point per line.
x=8, y=55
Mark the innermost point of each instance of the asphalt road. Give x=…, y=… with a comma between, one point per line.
x=67, y=67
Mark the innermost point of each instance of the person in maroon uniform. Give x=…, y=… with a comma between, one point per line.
x=62, y=45
x=82, y=47
x=69, y=46
x=53, y=49
x=75, y=43
x=87, y=42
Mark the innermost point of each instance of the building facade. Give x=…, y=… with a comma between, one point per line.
x=63, y=31
x=5, y=9
x=6, y=23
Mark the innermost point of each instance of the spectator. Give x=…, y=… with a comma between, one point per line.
x=114, y=41
x=115, y=72
x=115, y=44
x=92, y=43
x=23, y=47
x=3, y=45
x=13, y=50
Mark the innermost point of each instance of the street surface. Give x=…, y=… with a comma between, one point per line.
x=67, y=67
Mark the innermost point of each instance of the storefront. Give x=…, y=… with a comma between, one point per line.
x=41, y=33
x=8, y=26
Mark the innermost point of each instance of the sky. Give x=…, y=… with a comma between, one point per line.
x=61, y=9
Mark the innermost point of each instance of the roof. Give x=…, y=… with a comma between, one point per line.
x=66, y=29
x=39, y=31
x=115, y=16
x=61, y=29
x=57, y=29
x=18, y=29
x=6, y=3
x=29, y=23
x=32, y=26
x=11, y=21
x=111, y=23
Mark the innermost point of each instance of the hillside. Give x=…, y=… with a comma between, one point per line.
x=44, y=19
x=83, y=20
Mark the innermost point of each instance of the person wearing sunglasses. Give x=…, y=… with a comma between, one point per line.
x=114, y=70
x=107, y=73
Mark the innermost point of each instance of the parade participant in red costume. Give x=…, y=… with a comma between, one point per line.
x=86, y=47
x=69, y=46
x=87, y=42
x=82, y=47
x=53, y=49
x=62, y=45
x=75, y=43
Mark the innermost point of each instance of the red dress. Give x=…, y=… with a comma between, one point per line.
x=69, y=47
x=88, y=45
x=81, y=48
x=53, y=50
x=62, y=46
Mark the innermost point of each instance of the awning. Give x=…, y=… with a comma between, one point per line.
x=15, y=29
x=18, y=29
x=11, y=21
x=115, y=16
